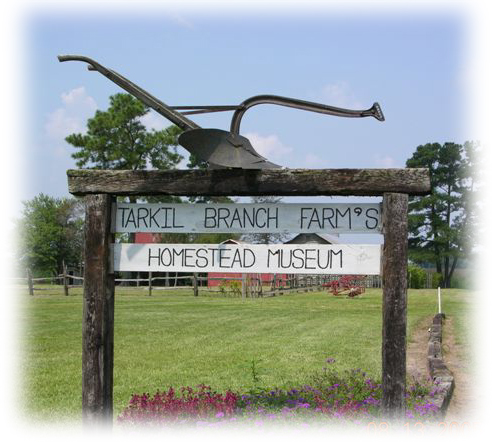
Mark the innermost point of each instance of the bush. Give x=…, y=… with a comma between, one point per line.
x=416, y=277
x=234, y=288
x=436, y=280
x=170, y=406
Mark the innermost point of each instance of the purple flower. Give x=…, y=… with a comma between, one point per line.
x=371, y=401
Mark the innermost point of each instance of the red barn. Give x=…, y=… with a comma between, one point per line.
x=146, y=238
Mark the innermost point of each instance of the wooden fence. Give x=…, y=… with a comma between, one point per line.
x=254, y=287
x=249, y=285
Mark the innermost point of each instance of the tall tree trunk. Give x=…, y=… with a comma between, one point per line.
x=437, y=253
x=453, y=267
x=438, y=261
x=447, y=277
x=446, y=272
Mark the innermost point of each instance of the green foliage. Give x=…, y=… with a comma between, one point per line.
x=235, y=287
x=195, y=163
x=436, y=280
x=416, y=277
x=230, y=288
x=442, y=225
x=50, y=233
x=117, y=139
x=255, y=372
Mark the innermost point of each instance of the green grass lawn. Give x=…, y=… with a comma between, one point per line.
x=174, y=338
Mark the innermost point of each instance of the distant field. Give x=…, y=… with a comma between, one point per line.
x=174, y=338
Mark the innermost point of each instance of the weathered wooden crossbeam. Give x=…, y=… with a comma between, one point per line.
x=239, y=182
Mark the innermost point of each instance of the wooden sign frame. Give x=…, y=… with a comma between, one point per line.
x=99, y=188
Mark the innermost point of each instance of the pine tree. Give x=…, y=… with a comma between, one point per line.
x=441, y=224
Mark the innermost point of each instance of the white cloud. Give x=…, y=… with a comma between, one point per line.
x=268, y=146
x=72, y=116
x=340, y=94
x=78, y=98
x=152, y=120
x=60, y=124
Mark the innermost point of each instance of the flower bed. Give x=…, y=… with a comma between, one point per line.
x=351, y=396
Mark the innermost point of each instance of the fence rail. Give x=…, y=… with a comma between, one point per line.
x=252, y=285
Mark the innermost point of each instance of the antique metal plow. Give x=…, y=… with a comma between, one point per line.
x=220, y=148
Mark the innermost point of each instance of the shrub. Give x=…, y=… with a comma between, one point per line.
x=234, y=288
x=171, y=407
x=416, y=277
x=436, y=280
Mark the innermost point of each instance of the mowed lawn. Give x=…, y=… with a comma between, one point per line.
x=174, y=338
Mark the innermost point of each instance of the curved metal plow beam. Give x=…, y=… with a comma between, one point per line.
x=375, y=111
x=166, y=111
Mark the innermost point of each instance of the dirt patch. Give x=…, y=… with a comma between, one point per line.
x=461, y=403
x=417, y=351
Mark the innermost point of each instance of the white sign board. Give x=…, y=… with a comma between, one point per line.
x=249, y=258
x=248, y=218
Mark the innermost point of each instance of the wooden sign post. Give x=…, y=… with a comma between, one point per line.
x=394, y=272
x=99, y=187
x=98, y=312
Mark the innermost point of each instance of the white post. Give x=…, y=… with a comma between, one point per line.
x=439, y=299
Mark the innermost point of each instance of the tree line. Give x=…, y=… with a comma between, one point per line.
x=443, y=226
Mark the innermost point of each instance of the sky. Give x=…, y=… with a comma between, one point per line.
x=412, y=64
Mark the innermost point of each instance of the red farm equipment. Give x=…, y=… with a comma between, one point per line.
x=349, y=285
